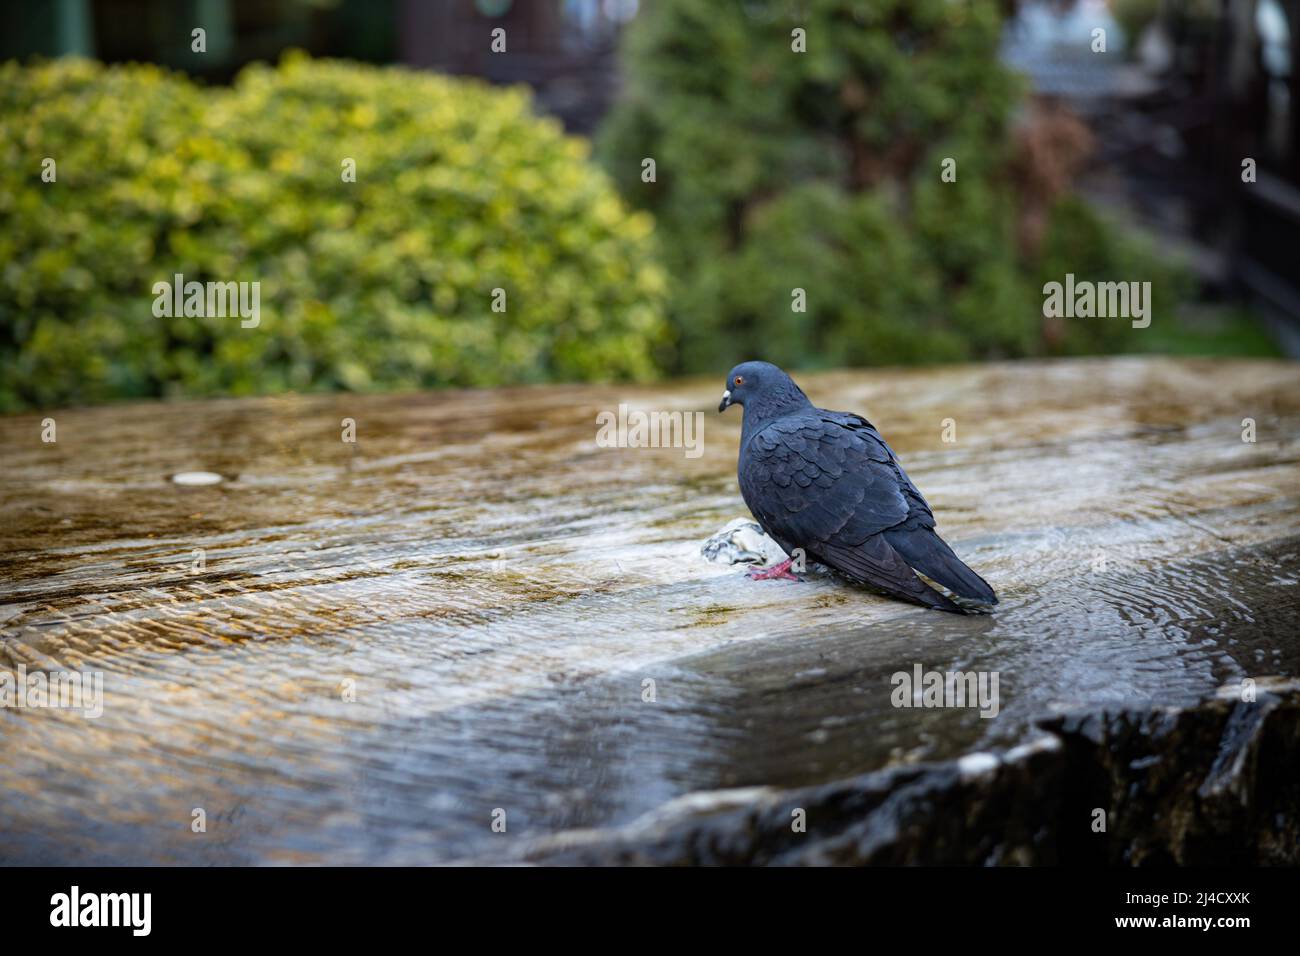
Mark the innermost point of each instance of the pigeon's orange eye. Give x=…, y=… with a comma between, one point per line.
x=740, y=380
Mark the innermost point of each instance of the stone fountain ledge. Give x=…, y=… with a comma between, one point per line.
x=356, y=651
x=1211, y=784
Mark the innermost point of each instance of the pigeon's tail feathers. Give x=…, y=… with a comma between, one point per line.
x=928, y=553
x=876, y=563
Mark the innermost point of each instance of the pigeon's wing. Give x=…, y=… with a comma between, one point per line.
x=915, y=539
x=918, y=509
x=877, y=563
x=816, y=483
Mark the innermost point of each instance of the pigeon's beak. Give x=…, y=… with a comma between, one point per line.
x=726, y=401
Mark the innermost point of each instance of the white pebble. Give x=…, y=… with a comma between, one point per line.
x=196, y=478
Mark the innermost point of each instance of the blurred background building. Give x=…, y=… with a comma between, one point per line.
x=1200, y=87
x=564, y=49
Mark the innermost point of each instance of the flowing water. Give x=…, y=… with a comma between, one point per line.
x=361, y=652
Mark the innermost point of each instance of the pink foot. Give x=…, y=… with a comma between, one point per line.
x=778, y=572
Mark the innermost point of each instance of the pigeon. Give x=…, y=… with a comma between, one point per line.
x=826, y=482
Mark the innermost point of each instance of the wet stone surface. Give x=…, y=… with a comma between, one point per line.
x=494, y=590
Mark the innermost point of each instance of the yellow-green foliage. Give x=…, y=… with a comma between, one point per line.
x=385, y=282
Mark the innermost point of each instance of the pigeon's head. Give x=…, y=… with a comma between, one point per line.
x=761, y=386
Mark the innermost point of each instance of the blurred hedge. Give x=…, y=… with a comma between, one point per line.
x=385, y=282
x=778, y=170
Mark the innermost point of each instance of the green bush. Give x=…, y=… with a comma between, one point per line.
x=384, y=282
x=777, y=170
